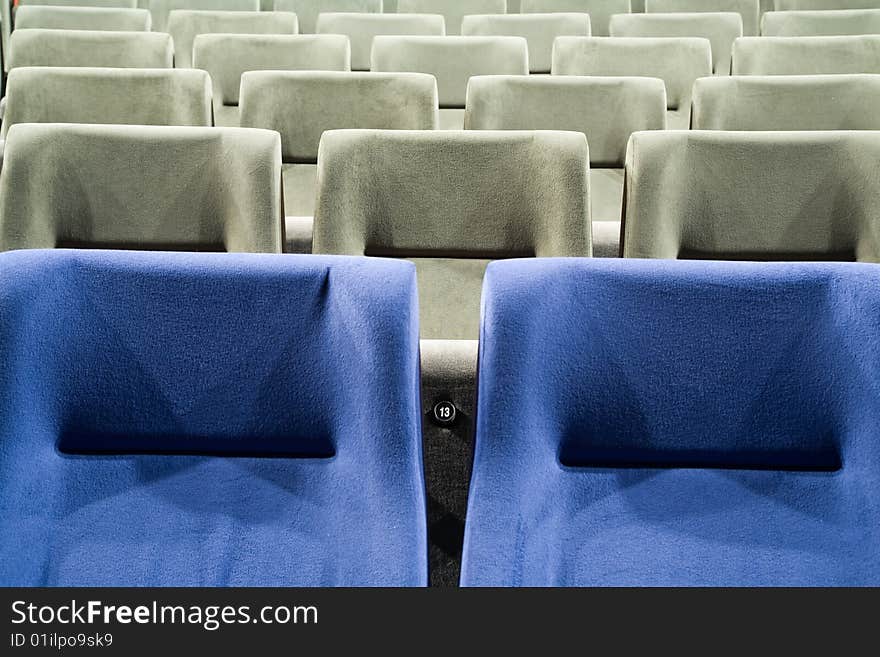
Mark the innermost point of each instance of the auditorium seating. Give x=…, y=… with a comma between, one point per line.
x=453, y=11
x=607, y=110
x=161, y=9
x=309, y=11
x=184, y=26
x=805, y=195
x=721, y=29
x=227, y=56
x=209, y=420
x=301, y=105
x=361, y=29
x=821, y=23
x=600, y=11
x=82, y=18
x=539, y=31
x=808, y=5
x=677, y=61
x=90, y=48
x=747, y=9
x=43, y=94
x=651, y=423
x=806, y=55
x=140, y=187
x=452, y=60
x=787, y=102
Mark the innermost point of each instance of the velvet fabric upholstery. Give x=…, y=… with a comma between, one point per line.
x=115, y=19
x=600, y=11
x=204, y=420
x=818, y=55
x=452, y=201
x=452, y=60
x=184, y=26
x=539, y=31
x=362, y=28
x=721, y=29
x=806, y=195
x=749, y=10
x=44, y=94
x=227, y=56
x=141, y=187
x=821, y=23
x=309, y=11
x=453, y=11
x=162, y=8
x=807, y=5
x=787, y=102
x=660, y=423
x=90, y=48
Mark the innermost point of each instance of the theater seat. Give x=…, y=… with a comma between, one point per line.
x=600, y=11
x=361, y=29
x=807, y=5
x=90, y=48
x=44, y=94
x=820, y=55
x=821, y=23
x=82, y=18
x=787, y=102
x=227, y=56
x=161, y=9
x=607, y=110
x=452, y=60
x=721, y=29
x=676, y=424
x=209, y=420
x=716, y=195
x=539, y=31
x=749, y=10
x=301, y=105
x=309, y=11
x=184, y=26
x=140, y=187
x=453, y=11
x=677, y=61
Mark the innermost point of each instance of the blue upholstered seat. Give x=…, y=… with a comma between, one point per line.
x=195, y=419
x=677, y=423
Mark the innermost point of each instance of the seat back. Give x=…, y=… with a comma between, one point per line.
x=452, y=60
x=115, y=19
x=719, y=195
x=820, y=23
x=539, y=31
x=140, y=187
x=808, y=5
x=43, y=94
x=820, y=55
x=309, y=11
x=161, y=9
x=205, y=410
x=655, y=423
x=90, y=48
x=600, y=11
x=453, y=11
x=749, y=10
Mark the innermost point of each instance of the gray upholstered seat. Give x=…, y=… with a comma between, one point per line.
x=818, y=55
x=600, y=11
x=677, y=61
x=301, y=105
x=787, y=102
x=227, y=56
x=821, y=23
x=117, y=19
x=807, y=5
x=451, y=201
x=453, y=10
x=806, y=195
x=164, y=96
x=362, y=28
x=90, y=48
x=185, y=25
x=607, y=110
x=721, y=29
x=539, y=31
x=308, y=11
x=748, y=9
x=162, y=8
x=452, y=60
x=142, y=187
